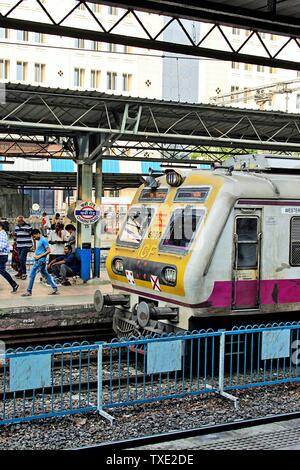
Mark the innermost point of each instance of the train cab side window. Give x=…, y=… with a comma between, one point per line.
x=181, y=229
x=247, y=242
x=295, y=242
x=137, y=222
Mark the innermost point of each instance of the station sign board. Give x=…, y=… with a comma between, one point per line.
x=86, y=212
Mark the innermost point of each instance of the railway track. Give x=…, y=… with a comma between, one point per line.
x=55, y=335
x=135, y=443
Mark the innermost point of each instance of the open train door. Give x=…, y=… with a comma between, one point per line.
x=246, y=263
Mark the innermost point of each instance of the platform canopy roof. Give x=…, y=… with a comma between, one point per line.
x=46, y=180
x=45, y=113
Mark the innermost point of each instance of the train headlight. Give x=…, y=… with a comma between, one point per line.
x=174, y=178
x=118, y=266
x=170, y=275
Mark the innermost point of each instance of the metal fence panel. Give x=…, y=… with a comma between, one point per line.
x=47, y=382
x=60, y=380
x=129, y=380
x=260, y=356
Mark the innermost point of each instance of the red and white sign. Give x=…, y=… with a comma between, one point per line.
x=155, y=282
x=130, y=278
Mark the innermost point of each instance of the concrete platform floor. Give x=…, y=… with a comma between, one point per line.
x=76, y=293
x=284, y=435
x=74, y=305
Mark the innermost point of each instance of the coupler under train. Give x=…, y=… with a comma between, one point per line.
x=143, y=319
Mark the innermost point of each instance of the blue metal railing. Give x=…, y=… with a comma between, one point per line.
x=60, y=380
x=62, y=387
x=133, y=378
x=255, y=359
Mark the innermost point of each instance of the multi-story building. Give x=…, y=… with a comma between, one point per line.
x=199, y=79
x=231, y=82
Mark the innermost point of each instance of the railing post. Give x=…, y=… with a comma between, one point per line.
x=221, y=360
x=100, y=387
x=222, y=370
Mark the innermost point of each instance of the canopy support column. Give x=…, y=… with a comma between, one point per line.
x=98, y=225
x=84, y=191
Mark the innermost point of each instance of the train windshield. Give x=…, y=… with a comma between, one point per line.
x=181, y=229
x=153, y=195
x=135, y=227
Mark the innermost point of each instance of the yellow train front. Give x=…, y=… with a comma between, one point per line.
x=149, y=264
x=198, y=249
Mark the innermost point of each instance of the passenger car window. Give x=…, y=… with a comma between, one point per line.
x=181, y=230
x=247, y=242
x=135, y=227
x=295, y=242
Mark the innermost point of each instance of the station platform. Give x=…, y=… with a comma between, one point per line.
x=284, y=435
x=74, y=305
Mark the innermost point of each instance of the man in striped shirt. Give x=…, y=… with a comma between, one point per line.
x=4, y=251
x=24, y=243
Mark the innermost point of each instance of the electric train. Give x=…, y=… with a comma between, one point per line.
x=204, y=245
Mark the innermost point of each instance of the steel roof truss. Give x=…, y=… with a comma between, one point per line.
x=8, y=20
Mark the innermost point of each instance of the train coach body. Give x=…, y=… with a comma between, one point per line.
x=241, y=254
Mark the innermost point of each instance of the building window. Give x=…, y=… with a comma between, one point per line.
x=114, y=193
x=127, y=49
x=295, y=241
x=4, y=33
x=248, y=67
x=79, y=75
x=260, y=68
x=82, y=7
x=273, y=37
x=95, y=7
x=95, y=78
x=111, y=80
x=22, y=35
x=273, y=70
x=235, y=65
x=298, y=101
x=39, y=73
x=22, y=71
x=39, y=38
x=248, y=32
x=112, y=47
x=96, y=45
x=298, y=73
x=236, y=31
x=112, y=11
x=127, y=81
x=234, y=89
x=79, y=43
x=4, y=69
x=247, y=95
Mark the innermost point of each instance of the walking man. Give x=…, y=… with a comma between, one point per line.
x=4, y=251
x=40, y=255
x=24, y=244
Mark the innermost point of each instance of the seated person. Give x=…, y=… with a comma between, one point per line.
x=65, y=266
x=71, y=229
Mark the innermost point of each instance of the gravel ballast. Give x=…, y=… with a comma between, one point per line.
x=85, y=429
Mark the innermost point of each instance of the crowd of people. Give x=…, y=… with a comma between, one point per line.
x=54, y=255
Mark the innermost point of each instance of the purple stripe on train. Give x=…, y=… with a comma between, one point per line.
x=275, y=291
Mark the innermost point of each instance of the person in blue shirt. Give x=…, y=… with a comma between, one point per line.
x=65, y=266
x=40, y=255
